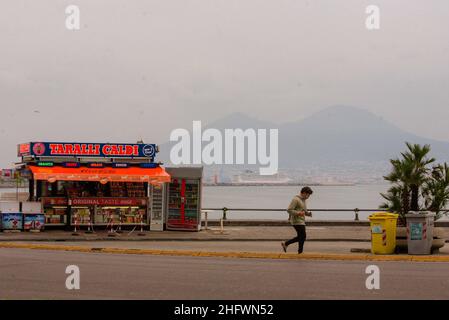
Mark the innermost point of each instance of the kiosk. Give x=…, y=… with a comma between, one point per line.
x=95, y=183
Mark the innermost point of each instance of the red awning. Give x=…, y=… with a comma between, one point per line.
x=104, y=175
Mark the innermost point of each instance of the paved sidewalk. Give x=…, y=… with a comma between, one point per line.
x=324, y=242
x=240, y=233
x=232, y=233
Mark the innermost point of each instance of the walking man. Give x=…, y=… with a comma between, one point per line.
x=297, y=211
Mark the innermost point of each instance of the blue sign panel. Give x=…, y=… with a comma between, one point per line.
x=12, y=221
x=34, y=221
x=149, y=165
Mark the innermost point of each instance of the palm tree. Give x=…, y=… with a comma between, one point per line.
x=408, y=176
x=395, y=200
x=416, y=157
x=436, y=190
x=398, y=195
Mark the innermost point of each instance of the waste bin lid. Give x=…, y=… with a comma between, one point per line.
x=419, y=214
x=383, y=215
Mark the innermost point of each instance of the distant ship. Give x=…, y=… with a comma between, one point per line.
x=251, y=177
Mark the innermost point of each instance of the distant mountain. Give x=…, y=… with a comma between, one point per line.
x=337, y=135
x=342, y=134
x=239, y=120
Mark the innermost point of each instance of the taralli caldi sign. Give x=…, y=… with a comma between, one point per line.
x=58, y=149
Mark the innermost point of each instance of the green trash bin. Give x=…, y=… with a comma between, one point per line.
x=420, y=232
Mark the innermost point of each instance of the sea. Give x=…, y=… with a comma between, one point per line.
x=346, y=197
x=278, y=197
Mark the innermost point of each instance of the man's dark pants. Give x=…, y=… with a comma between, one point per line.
x=301, y=237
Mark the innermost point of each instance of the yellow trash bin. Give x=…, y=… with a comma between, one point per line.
x=383, y=232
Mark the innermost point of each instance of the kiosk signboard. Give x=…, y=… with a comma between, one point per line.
x=108, y=150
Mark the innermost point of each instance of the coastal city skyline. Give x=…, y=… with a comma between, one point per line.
x=323, y=164
x=331, y=123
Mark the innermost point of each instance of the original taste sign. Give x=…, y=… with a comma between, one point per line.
x=55, y=149
x=108, y=202
x=96, y=201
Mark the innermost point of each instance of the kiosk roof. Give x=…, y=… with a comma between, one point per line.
x=104, y=175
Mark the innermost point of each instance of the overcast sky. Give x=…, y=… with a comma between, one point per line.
x=141, y=68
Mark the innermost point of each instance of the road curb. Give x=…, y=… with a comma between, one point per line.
x=247, y=255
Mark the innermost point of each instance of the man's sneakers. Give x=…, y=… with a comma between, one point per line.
x=284, y=246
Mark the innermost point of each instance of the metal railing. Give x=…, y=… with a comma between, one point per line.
x=225, y=211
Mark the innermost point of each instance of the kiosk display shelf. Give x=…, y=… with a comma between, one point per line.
x=106, y=215
x=55, y=211
x=82, y=214
x=55, y=215
x=125, y=215
x=156, y=208
x=183, y=204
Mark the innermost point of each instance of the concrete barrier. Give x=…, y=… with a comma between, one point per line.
x=281, y=223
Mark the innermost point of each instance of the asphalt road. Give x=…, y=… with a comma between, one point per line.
x=40, y=274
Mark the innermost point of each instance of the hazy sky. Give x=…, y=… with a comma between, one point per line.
x=140, y=68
